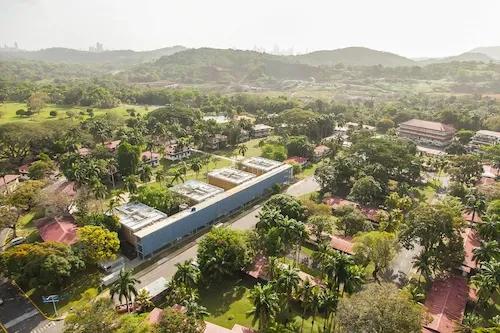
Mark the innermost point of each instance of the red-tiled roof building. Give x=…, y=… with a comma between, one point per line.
x=471, y=242
x=445, y=303
x=342, y=243
x=58, y=229
x=427, y=132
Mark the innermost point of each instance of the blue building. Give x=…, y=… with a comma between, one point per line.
x=167, y=231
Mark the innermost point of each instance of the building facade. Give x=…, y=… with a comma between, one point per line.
x=155, y=236
x=426, y=132
x=484, y=138
x=261, y=130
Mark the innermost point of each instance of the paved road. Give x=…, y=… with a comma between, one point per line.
x=18, y=315
x=166, y=267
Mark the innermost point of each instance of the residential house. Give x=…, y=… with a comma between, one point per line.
x=261, y=130
x=216, y=141
x=112, y=145
x=320, y=151
x=150, y=158
x=58, y=229
x=298, y=160
x=175, y=152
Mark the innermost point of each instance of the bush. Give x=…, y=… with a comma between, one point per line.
x=53, y=113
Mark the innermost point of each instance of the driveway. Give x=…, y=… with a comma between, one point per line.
x=166, y=266
x=18, y=315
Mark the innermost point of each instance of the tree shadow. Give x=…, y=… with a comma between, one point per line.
x=219, y=297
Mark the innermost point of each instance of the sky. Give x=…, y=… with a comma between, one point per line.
x=412, y=28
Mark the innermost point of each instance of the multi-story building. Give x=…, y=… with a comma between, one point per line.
x=175, y=152
x=150, y=158
x=150, y=230
x=228, y=178
x=484, y=138
x=261, y=130
x=216, y=141
x=426, y=132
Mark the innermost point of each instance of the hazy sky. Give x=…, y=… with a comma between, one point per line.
x=413, y=28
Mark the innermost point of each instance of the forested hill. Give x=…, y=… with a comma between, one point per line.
x=223, y=66
x=353, y=56
x=467, y=56
x=490, y=51
x=64, y=55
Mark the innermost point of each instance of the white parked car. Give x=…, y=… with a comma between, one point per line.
x=17, y=241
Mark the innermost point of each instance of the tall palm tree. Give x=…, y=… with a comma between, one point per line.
x=195, y=310
x=112, y=170
x=187, y=274
x=131, y=183
x=242, y=149
x=287, y=284
x=178, y=175
x=265, y=305
x=475, y=203
x=329, y=303
x=99, y=190
x=124, y=287
x=487, y=280
x=486, y=252
x=306, y=298
x=316, y=296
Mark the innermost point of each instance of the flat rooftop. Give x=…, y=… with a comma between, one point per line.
x=196, y=190
x=488, y=133
x=136, y=215
x=210, y=201
x=261, y=163
x=231, y=175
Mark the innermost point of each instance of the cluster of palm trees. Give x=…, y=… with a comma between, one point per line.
x=272, y=302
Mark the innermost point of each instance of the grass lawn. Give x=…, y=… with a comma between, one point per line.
x=89, y=278
x=215, y=163
x=8, y=112
x=26, y=228
x=228, y=303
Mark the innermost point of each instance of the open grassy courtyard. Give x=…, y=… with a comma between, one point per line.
x=229, y=302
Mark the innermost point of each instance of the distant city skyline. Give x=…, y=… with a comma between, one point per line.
x=412, y=29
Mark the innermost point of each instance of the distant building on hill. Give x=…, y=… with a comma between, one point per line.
x=484, y=138
x=426, y=132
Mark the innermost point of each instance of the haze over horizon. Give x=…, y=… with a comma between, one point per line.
x=414, y=29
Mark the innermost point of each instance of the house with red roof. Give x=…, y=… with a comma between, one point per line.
x=302, y=161
x=112, y=145
x=469, y=218
x=371, y=213
x=343, y=244
x=150, y=158
x=58, y=229
x=320, y=151
x=471, y=242
x=9, y=183
x=445, y=303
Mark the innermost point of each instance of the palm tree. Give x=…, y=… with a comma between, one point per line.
x=306, y=298
x=490, y=228
x=195, y=310
x=316, y=296
x=196, y=166
x=329, y=303
x=124, y=286
x=112, y=170
x=187, y=274
x=265, y=305
x=131, y=183
x=487, y=280
x=146, y=173
x=177, y=175
x=475, y=203
x=287, y=284
x=242, y=149
x=486, y=252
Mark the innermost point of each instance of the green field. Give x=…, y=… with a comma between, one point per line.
x=8, y=112
x=228, y=303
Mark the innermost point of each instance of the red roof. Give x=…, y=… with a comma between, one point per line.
x=296, y=159
x=471, y=242
x=342, y=243
x=369, y=212
x=111, y=145
x=154, y=316
x=212, y=328
x=8, y=179
x=468, y=217
x=147, y=155
x=259, y=268
x=446, y=302
x=24, y=169
x=58, y=229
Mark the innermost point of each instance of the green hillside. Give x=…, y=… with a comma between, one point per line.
x=467, y=56
x=352, y=56
x=490, y=51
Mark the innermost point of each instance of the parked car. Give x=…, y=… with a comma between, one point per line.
x=17, y=241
